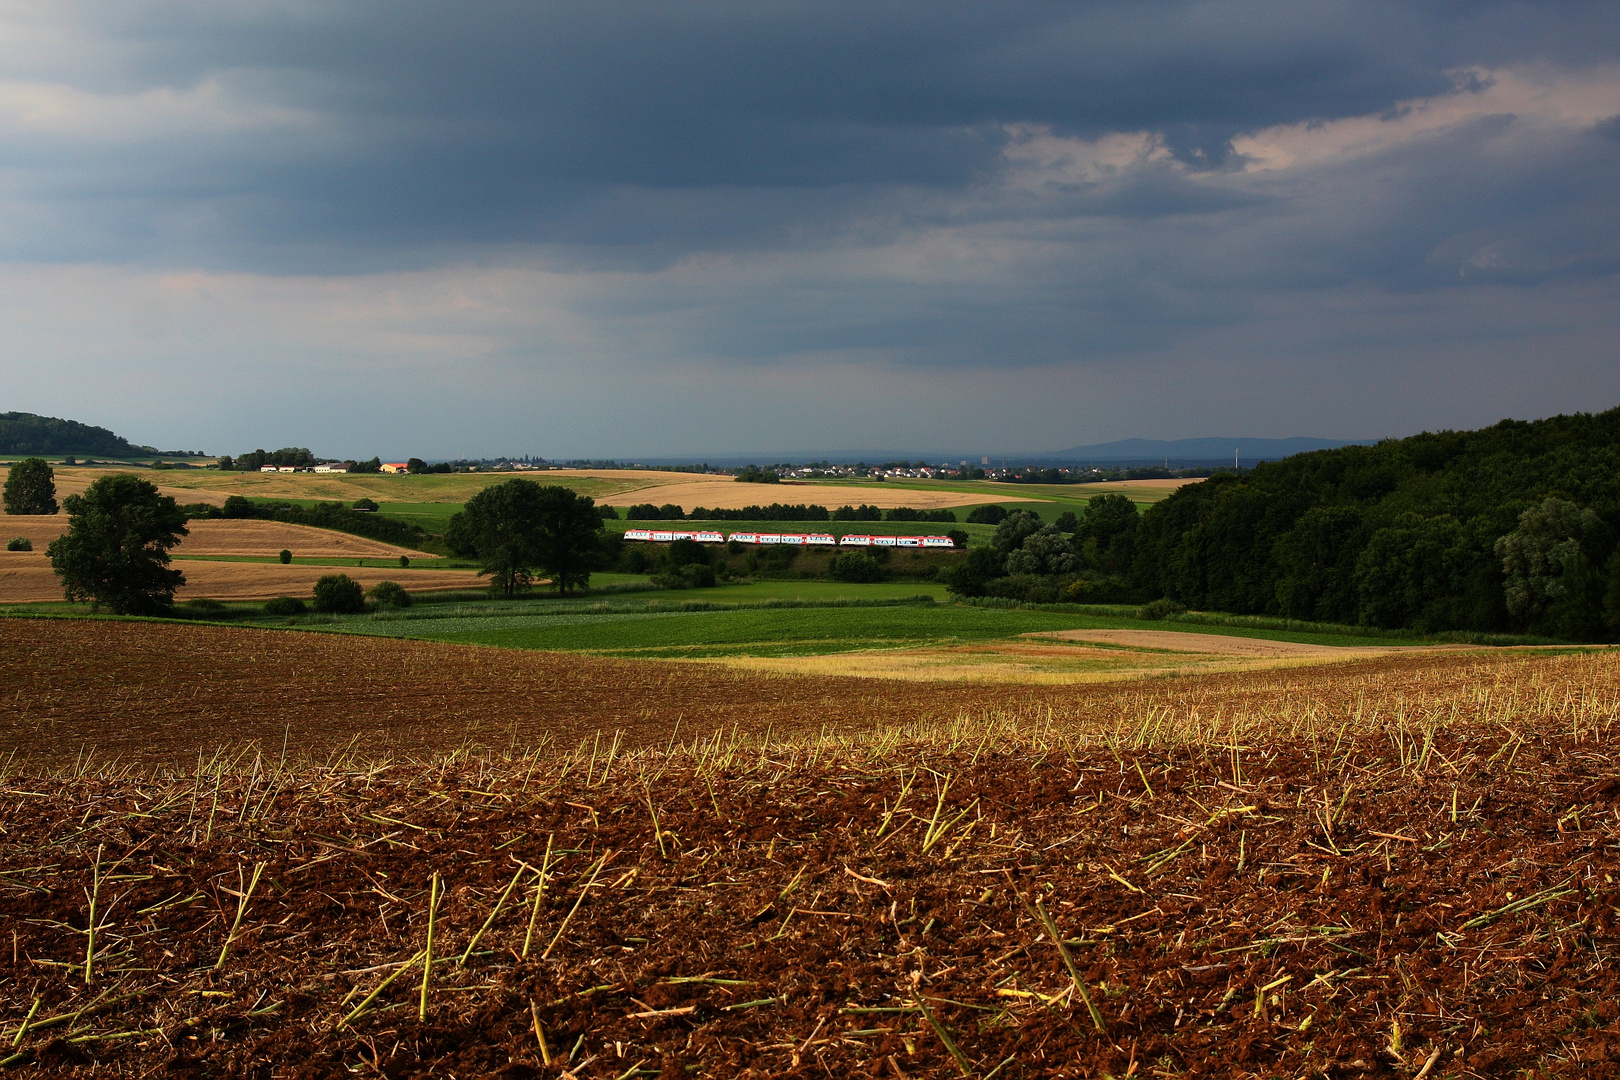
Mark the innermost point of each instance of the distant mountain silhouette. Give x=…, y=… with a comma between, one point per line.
x=1194, y=451
x=26, y=433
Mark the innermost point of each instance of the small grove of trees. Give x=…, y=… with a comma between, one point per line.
x=753, y=474
x=30, y=488
x=649, y=512
x=339, y=594
x=518, y=528
x=116, y=550
x=296, y=457
x=1028, y=559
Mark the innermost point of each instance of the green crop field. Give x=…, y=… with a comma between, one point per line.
x=767, y=619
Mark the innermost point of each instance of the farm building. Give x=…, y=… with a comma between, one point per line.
x=395, y=467
x=334, y=466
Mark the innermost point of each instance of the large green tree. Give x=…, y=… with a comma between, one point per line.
x=116, y=550
x=30, y=488
x=518, y=528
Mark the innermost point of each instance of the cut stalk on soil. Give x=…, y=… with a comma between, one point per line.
x=241, y=909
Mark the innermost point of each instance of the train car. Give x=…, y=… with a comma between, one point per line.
x=769, y=538
x=638, y=534
x=938, y=542
x=855, y=540
x=908, y=541
x=885, y=541
x=821, y=540
x=745, y=538
x=796, y=539
x=662, y=536
x=709, y=537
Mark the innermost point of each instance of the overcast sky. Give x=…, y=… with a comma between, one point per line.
x=591, y=229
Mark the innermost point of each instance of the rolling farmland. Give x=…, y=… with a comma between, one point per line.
x=27, y=577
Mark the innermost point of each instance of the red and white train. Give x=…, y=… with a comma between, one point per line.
x=853, y=540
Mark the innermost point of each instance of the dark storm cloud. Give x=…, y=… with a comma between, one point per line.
x=431, y=128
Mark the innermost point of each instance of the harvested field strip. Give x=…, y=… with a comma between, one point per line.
x=165, y=692
x=30, y=579
x=1373, y=895
x=215, y=536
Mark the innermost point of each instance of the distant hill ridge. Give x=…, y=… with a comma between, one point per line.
x=26, y=433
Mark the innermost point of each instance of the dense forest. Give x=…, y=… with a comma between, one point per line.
x=1511, y=528
x=25, y=433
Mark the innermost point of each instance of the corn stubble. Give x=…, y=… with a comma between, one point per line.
x=1375, y=880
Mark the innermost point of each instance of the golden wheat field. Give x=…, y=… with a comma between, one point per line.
x=27, y=577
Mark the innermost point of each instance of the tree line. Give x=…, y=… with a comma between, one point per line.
x=1512, y=528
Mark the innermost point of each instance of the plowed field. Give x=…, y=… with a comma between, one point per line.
x=1395, y=867
x=165, y=692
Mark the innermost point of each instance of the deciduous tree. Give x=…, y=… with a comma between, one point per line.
x=30, y=488
x=116, y=550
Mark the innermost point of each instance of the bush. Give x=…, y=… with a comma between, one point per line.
x=684, y=552
x=285, y=556
x=1162, y=608
x=855, y=567
x=404, y=561
x=690, y=576
x=389, y=594
x=1028, y=588
x=698, y=576
x=339, y=594
x=285, y=605
x=366, y=505
x=959, y=537
x=1067, y=523
x=989, y=514
x=239, y=506
x=19, y=543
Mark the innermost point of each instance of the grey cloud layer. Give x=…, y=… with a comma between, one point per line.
x=415, y=127
x=651, y=203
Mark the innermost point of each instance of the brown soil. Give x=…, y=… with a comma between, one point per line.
x=227, y=537
x=166, y=692
x=1441, y=894
x=1441, y=904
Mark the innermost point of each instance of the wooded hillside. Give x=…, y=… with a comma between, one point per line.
x=1512, y=527
x=26, y=433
